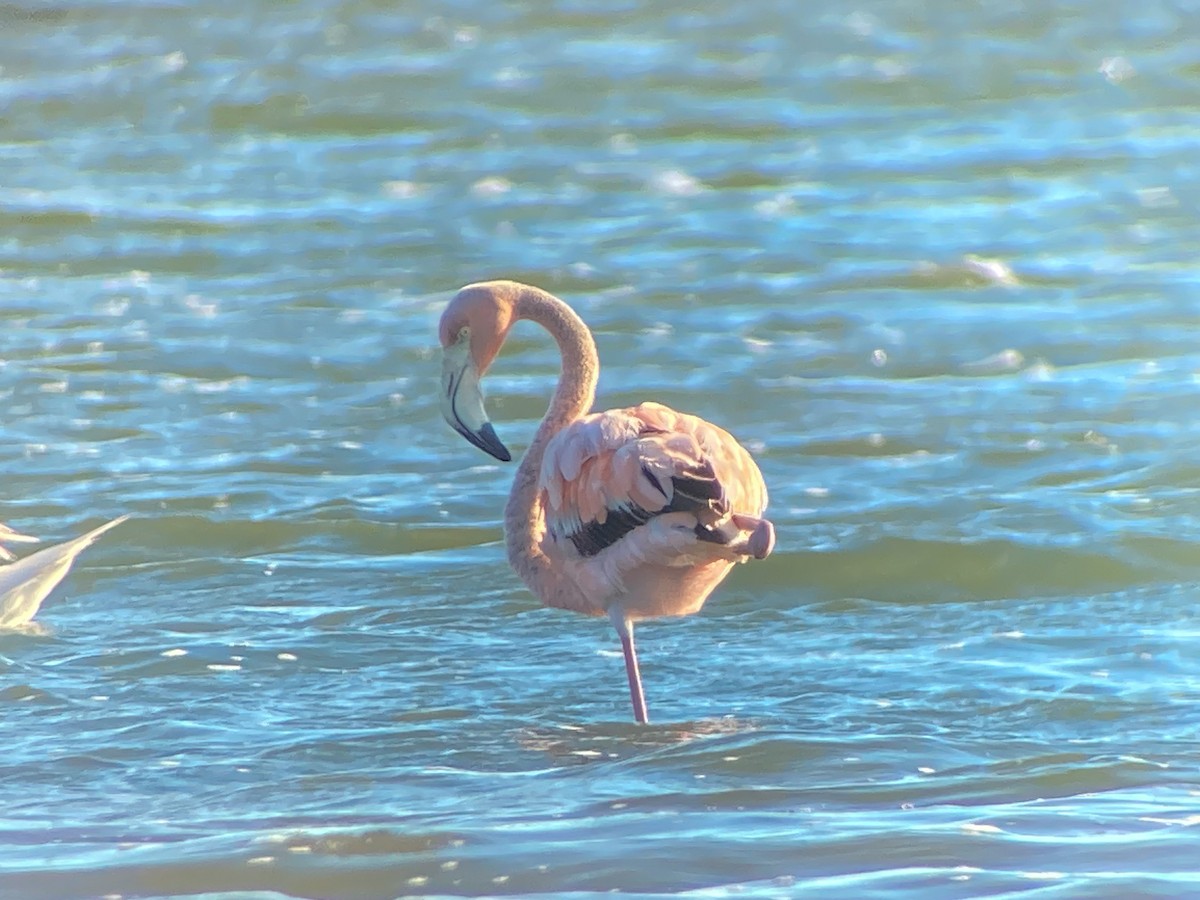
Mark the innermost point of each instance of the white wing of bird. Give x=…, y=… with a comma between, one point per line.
x=28, y=581
x=13, y=537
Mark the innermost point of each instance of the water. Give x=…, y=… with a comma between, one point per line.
x=934, y=264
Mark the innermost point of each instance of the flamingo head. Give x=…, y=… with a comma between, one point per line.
x=472, y=329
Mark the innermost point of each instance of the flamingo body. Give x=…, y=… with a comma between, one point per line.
x=639, y=507
x=631, y=513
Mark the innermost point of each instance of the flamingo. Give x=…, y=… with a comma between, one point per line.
x=28, y=581
x=630, y=513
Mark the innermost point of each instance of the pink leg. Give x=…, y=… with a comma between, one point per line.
x=625, y=632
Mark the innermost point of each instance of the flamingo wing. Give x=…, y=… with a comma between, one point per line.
x=610, y=472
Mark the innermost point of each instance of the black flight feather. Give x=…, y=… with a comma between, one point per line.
x=696, y=490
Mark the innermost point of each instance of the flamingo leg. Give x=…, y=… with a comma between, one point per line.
x=625, y=632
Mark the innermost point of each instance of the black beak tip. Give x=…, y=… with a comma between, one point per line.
x=491, y=443
x=487, y=441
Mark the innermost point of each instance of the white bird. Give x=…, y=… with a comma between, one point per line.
x=15, y=537
x=28, y=581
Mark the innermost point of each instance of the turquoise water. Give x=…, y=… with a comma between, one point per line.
x=933, y=264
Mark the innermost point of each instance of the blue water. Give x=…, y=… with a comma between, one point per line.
x=933, y=264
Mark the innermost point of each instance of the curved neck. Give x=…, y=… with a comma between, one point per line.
x=524, y=522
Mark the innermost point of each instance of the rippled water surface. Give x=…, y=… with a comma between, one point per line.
x=934, y=264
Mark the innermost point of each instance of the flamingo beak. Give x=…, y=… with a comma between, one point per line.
x=462, y=402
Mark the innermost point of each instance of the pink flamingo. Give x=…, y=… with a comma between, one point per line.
x=631, y=513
